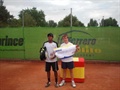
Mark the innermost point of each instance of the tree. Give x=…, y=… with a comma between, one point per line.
x=38, y=16
x=14, y=22
x=81, y=24
x=4, y=16
x=92, y=23
x=102, y=23
x=66, y=22
x=51, y=23
x=1, y=2
x=60, y=23
x=28, y=20
x=109, y=22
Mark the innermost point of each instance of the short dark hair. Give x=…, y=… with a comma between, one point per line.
x=50, y=34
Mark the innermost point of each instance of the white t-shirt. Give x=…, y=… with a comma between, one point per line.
x=50, y=51
x=70, y=58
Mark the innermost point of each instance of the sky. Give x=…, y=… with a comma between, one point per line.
x=56, y=10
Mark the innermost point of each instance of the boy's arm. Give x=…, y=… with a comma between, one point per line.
x=54, y=52
x=77, y=48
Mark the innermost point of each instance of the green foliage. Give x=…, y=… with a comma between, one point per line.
x=92, y=23
x=51, y=23
x=4, y=16
x=34, y=17
x=109, y=22
x=14, y=23
x=38, y=16
x=66, y=22
x=28, y=20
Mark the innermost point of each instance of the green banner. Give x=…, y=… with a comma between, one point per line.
x=99, y=43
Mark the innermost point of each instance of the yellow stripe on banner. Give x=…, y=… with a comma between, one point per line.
x=75, y=59
x=77, y=71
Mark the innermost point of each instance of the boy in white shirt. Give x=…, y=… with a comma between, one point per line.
x=67, y=63
x=51, y=59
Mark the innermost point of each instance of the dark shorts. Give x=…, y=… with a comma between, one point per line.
x=69, y=65
x=48, y=66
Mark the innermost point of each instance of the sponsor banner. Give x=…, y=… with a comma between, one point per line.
x=94, y=44
x=86, y=42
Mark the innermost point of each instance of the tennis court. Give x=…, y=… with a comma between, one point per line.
x=30, y=75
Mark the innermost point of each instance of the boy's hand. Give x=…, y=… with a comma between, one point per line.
x=53, y=57
x=77, y=48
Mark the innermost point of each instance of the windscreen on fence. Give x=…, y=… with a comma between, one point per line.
x=95, y=43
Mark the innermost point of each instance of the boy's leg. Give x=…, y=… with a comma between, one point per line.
x=71, y=74
x=47, y=69
x=71, y=66
x=72, y=78
x=48, y=76
x=64, y=67
x=55, y=69
x=56, y=76
x=63, y=80
x=64, y=74
x=56, y=79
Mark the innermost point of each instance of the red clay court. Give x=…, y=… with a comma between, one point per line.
x=30, y=75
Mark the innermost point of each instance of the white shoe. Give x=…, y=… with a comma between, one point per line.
x=56, y=85
x=62, y=83
x=73, y=84
x=47, y=84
